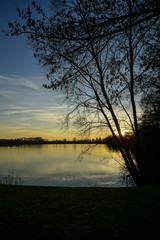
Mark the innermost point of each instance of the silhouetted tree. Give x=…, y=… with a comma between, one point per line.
x=150, y=103
x=91, y=51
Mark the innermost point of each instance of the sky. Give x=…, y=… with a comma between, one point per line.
x=26, y=108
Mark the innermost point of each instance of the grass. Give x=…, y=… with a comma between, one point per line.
x=79, y=213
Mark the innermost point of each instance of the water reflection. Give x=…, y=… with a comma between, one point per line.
x=60, y=165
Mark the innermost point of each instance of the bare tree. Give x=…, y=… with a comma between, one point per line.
x=90, y=51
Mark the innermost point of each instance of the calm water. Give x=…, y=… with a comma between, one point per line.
x=61, y=165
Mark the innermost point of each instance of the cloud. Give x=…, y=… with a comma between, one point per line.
x=4, y=78
x=26, y=116
x=15, y=80
x=27, y=109
x=5, y=93
x=39, y=111
x=29, y=84
x=21, y=111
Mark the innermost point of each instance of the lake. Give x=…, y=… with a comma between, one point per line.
x=70, y=165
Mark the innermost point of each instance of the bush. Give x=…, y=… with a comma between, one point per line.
x=11, y=178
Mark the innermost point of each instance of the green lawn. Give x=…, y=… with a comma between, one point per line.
x=79, y=213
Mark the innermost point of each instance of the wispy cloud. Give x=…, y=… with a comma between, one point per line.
x=22, y=111
x=43, y=110
x=5, y=92
x=4, y=77
x=26, y=115
x=16, y=80
x=28, y=109
x=29, y=84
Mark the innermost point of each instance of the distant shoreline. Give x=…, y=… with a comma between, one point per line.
x=109, y=141
x=40, y=141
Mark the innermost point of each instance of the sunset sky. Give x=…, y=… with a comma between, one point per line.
x=26, y=108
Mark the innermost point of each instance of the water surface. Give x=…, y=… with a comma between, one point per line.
x=61, y=164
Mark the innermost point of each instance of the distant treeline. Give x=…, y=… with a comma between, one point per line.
x=39, y=140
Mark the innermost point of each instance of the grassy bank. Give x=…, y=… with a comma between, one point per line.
x=79, y=213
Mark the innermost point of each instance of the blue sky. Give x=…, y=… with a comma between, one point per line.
x=26, y=108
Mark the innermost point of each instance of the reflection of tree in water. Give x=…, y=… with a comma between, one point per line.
x=11, y=178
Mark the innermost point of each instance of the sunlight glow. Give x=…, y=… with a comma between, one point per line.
x=124, y=132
